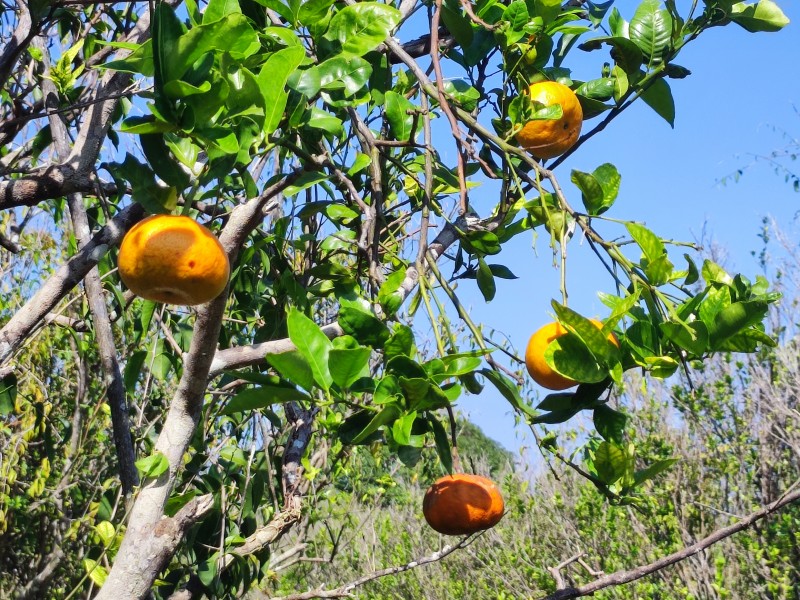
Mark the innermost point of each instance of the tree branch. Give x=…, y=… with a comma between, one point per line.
x=622, y=577
x=25, y=320
x=115, y=388
x=345, y=590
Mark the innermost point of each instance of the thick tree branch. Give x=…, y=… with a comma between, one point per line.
x=115, y=389
x=622, y=577
x=140, y=559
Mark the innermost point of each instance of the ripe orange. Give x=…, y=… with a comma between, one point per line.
x=546, y=138
x=173, y=259
x=462, y=504
x=538, y=368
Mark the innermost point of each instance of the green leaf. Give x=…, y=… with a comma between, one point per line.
x=157, y=154
x=153, y=465
x=764, y=15
x=610, y=423
x=262, y=397
x=596, y=342
x=272, y=80
x=293, y=367
x=659, y=97
x=656, y=468
x=401, y=429
x=502, y=271
x=626, y=53
x=388, y=390
x=8, y=394
x=692, y=337
x=217, y=9
x=656, y=265
x=735, y=318
x=154, y=198
x=651, y=30
x=661, y=366
x=463, y=93
x=388, y=297
x=599, y=189
x=312, y=344
x=362, y=27
x=570, y=357
x=610, y=462
x=313, y=11
x=305, y=181
x=133, y=368
x=399, y=113
x=508, y=389
x=232, y=34
x=486, y=280
x=348, y=365
x=347, y=73
x=362, y=324
x=442, y=443
x=96, y=572
x=400, y=343
x=385, y=417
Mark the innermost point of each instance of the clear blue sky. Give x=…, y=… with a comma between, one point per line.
x=742, y=85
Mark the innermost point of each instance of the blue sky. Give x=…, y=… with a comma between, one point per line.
x=742, y=86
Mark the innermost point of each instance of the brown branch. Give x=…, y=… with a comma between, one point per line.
x=346, y=590
x=622, y=577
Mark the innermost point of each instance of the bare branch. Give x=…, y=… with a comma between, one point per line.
x=345, y=591
x=25, y=320
x=622, y=577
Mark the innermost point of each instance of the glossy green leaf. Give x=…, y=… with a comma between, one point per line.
x=735, y=318
x=348, y=365
x=399, y=113
x=162, y=163
x=262, y=397
x=401, y=428
x=312, y=344
x=386, y=416
x=442, y=443
x=659, y=97
x=626, y=53
x=764, y=15
x=656, y=264
x=293, y=367
x=486, y=282
x=363, y=325
x=400, y=342
x=508, y=389
x=610, y=423
x=610, y=462
x=272, y=80
x=347, y=73
x=8, y=394
x=232, y=34
x=651, y=30
x=153, y=465
x=362, y=27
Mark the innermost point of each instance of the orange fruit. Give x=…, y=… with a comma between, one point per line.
x=538, y=368
x=546, y=138
x=462, y=504
x=173, y=259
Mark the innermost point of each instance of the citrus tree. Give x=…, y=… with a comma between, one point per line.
x=332, y=147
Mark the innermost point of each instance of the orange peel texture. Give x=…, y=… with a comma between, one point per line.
x=546, y=138
x=173, y=259
x=462, y=504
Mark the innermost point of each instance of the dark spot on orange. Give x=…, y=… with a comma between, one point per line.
x=191, y=264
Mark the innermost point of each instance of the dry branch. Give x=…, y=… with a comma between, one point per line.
x=622, y=577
